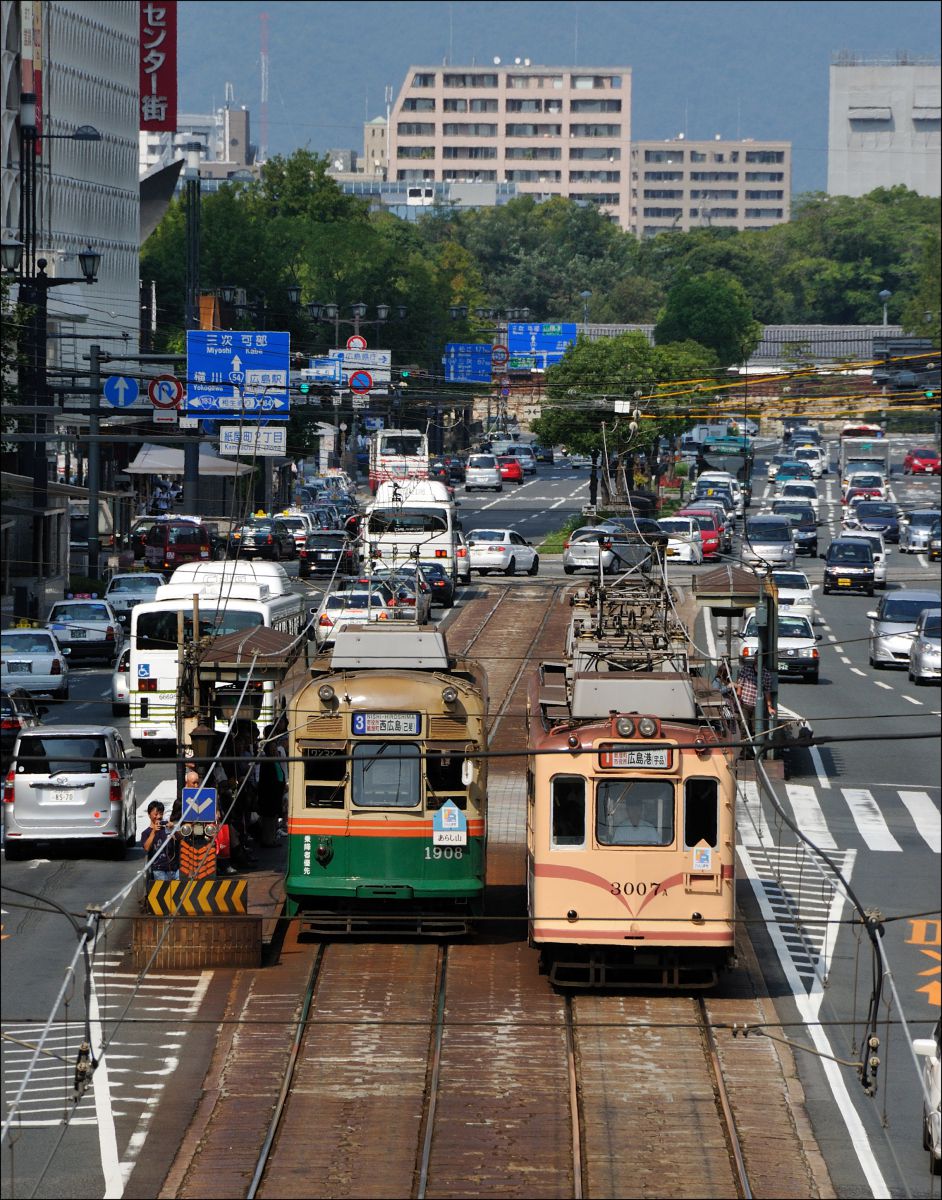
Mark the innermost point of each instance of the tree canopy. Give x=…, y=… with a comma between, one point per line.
x=713, y=310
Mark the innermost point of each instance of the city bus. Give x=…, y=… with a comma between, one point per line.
x=154, y=667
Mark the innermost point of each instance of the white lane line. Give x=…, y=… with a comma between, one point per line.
x=913, y=700
x=869, y=820
x=752, y=826
x=886, y=686
x=857, y=671
x=925, y=817
x=808, y=815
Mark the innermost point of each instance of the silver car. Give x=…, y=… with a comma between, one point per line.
x=33, y=660
x=768, y=540
x=925, y=654
x=482, y=471
x=120, y=684
x=127, y=590
x=89, y=628
x=893, y=625
x=588, y=548
x=502, y=550
x=915, y=529
x=68, y=783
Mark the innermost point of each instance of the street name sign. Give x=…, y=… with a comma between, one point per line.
x=267, y=441
x=234, y=372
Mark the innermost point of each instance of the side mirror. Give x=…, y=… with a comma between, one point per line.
x=818, y=637
x=872, y=616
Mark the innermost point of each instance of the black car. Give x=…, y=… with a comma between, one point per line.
x=18, y=711
x=803, y=522
x=456, y=468
x=441, y=583
x=263, y=537
x=848, y=566
x=321, y=552
x=544, y=454
x=878, y=517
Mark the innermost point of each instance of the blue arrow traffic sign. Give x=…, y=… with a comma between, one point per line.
x=120, y=390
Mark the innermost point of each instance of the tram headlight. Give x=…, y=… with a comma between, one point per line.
x=187, y=830
x=573, y=742
x=647, y=727
x=449, y=695
x=326, y=693
x=625, y=727
x=210, y=829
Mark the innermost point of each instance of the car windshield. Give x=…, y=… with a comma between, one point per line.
x=868, y=481
x=795, y=513
x=66, y=613
x=896, y=608
x=407, y=520
x=678, y=526
x=800, y=489
x=26, y=643
x=158, y=630
x=794, y=627
x=482, y=460
x=768, y=531
x=932, y=628
x=334, y=540
x=134, y=583
x=792, y=580
x=876, y=510
x=488, y=535
x=634, y=812
x=45, y=755
x=922, y=520
x=858, y=553
x=357, y=600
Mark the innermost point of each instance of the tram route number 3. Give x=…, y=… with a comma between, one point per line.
x=638, y=889
x=444, y=852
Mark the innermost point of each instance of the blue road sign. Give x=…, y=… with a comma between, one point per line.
x=229, y=372
x=120, y=390
x=199, y=804
x=467, y=362
x=323, y=370
x=545, y=344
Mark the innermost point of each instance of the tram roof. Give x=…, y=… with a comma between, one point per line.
x=364, y=646
x=663, y=693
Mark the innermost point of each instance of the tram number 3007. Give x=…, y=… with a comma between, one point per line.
x=443, y=852
x=638, y=889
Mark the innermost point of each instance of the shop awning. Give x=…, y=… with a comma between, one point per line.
x=167, y=460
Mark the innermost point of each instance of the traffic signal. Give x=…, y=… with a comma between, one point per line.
x=304, y=387
x=930, y=394
x=404, y=375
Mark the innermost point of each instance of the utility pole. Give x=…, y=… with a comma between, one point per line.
x=96, y=358
x=191, y=200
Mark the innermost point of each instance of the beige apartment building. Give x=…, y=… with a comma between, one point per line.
x=550, y=131
x=683, y=184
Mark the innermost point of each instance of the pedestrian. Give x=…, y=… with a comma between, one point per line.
x=747, y=689
x=272, y=783
x=160, y=844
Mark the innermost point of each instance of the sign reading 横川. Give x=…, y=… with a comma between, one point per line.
x=233, y=373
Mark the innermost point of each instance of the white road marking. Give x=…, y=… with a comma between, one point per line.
x=913, y=700
x=869, y=820
x=880, y=684
x=752, y=826
x=857, y=670
x=104, y=1109
x=925, y=817
x=808, y=815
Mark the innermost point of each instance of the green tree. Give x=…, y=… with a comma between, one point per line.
x=921, y=312
x=713, y=310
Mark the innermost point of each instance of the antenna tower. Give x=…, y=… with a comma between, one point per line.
x=263, y=114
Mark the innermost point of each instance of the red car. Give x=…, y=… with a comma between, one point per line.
x=510, y=468
x=923, y=461
x=711, y=535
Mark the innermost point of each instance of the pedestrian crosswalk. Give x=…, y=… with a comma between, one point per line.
x=884, y=823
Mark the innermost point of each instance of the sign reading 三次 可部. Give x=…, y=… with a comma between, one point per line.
x=244, y=373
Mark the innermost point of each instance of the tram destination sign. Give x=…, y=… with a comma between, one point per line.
x=653, y=758
x=366, y=723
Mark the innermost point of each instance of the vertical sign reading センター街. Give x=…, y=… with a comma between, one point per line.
x=158, y=98
x=31, y=60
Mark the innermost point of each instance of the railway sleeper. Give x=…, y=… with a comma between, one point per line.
x=600, y=968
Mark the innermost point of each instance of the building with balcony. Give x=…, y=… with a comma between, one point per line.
x=679, y=183
x=884, y=126
x=549, y=131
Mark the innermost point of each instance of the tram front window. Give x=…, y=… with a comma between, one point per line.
x=386, y=775
x=700, y=812
x=634, y=812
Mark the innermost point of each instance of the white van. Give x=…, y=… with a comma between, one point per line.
x=255, y=572
x=399, y=532
x=413, y=491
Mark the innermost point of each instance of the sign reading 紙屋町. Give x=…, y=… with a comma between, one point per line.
x=158, y=92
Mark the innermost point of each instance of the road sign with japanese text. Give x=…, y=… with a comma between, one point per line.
x=244, y=373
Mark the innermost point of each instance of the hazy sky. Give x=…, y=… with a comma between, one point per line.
x=751, y=69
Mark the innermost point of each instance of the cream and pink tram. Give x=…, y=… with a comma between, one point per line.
x=630, y=828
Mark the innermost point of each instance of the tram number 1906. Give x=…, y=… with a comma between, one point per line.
x=655, y=888
x=443, y=852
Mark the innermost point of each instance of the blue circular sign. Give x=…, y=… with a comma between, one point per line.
x=360, y=382
x=120, y=390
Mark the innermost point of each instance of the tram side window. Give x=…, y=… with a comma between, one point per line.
x=386, y=775
x=634, y=812
x=701, y=812
x=568, y=811
x=325, y=773
x=443, y=777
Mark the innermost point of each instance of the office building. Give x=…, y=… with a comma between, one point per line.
x=883, y=126
x=224, y=136
x=550, y=131
x=679, y=183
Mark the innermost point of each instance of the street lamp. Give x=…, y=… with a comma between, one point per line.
x=586, y=297
x=883, y=297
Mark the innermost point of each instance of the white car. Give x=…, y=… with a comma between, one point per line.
x=725, y=479
x=801, y=489
x=683, y=539
x=33, y=660
x=797, y=649
x=794, y=593
x=88, y=628
x=482, y=471
x=124, y=591
x=120, y=686
x=356, y=607
x=501, y=550
x=929, y=1049
x=925, y=654
x=914, y=530
x=879, y=550
x=814, y=457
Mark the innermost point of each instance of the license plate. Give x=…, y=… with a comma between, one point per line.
x=61, y=797
x=378, y=723
x=783, y=666
x=845, y=582
x=78, y=634
x=672, y=553
x=324, y=554
x=20, y=668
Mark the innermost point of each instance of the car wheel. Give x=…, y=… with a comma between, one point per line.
x=869, y=591
x=466, y=488
x=14, y=851
x=449, y=603
x=484, y=571
x=499, y=488
x=535, y=565
x=519, y=483
x=117, y=849
x=813, y=678
x=511, y=567
x=62, y=695
x=826, y=590
x=569, y=570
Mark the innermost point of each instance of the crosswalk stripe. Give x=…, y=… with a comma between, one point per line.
x=808, y=815
x=925, y=817
x=753, y=828
x=869, y=820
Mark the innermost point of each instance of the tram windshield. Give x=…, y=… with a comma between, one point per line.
x=634, y=812
x=386, y=775
x=407, y=520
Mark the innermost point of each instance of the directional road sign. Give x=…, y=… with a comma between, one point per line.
x=377, y=362
x=166, y=391
x=323, y=370
x=199, y=804
x=269, y=441
x=120, y=390
x=468, y=362
x=233, y=372
x=545, y=344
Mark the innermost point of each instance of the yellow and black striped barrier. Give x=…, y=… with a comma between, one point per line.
x=198, y=898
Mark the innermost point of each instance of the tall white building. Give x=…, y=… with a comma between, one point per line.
x=883, y=126
x=87, y=192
